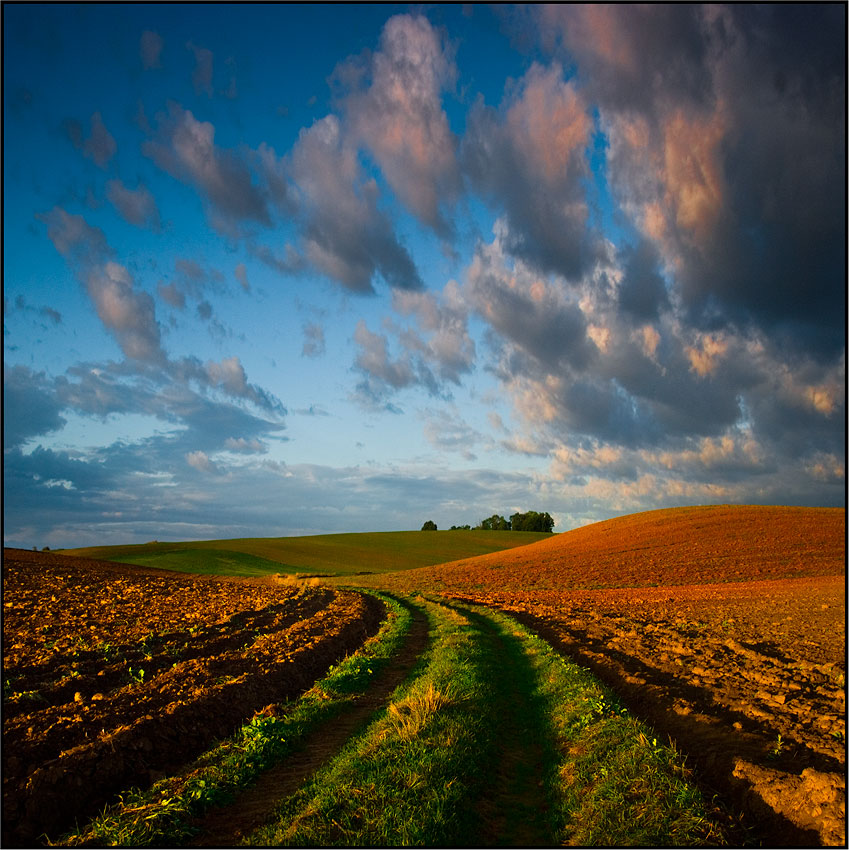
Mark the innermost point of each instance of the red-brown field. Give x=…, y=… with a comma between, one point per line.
x=723, y=626
x=115, y=674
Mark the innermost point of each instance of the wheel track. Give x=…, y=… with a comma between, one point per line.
x=226, y=825
x=513, y=808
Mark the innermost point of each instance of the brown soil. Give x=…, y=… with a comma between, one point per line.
x=81, y=722
x=731, y=652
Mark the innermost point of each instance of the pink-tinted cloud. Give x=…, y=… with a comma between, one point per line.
x=186, y=149
x=529, y=158
x=398, y=116
x=345, y=235
x=124, y=310
x=137, y=206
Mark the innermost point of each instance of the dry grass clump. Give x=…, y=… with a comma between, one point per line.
x=410, y=714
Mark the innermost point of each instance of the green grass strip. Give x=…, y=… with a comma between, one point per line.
x=428, y=770
x=412, y=777
x=613, y=782
x=162, y=815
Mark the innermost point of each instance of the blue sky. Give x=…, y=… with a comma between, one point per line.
x=278, y=270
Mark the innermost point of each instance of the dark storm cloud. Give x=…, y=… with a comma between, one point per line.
x=529, y=158
x=642, y=290
x=630, y=56
x=728, y=140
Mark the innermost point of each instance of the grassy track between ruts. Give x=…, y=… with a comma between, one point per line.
x=492, y=739
x=498, y=741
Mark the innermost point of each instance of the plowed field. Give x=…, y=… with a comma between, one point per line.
x=114, y=675
x=724, y=627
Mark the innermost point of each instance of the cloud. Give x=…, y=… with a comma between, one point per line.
x=448, y=346
x=20, y=304
x=150, y=49
x=540, y=316
x=395, y=110
x=579, y=369
x=345, y=235
x=383, y=374
x=432, y=356
x=275, y=175
x=642, y=290
x=529, y=159
x=30, y=408
x=200, y=461
x=172, y=294
x=125, y=311
x=137, y=206
x=314, y=344
x=243, y=446
x=185, y=148
x=448, y=432
x=630, y=57
x=100, y=146
x=227, y=376
x=202, y=74
x=726, y=128
x=242, y=277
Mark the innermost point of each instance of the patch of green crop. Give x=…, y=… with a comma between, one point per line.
x=206, y=561
x=330, y=554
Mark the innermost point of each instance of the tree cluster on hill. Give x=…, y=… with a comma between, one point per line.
x=530, y=521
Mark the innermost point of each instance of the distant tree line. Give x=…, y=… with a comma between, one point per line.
x=530, y=521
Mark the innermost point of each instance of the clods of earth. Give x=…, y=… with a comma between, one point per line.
x=114, y=675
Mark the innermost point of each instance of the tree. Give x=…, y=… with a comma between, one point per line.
x=532, y=521
x=430, y=525
x=494, y=523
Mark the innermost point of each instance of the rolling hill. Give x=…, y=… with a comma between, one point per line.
x=692, y=545
x=326, y=554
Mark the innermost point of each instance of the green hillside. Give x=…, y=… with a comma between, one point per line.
x=328, y=554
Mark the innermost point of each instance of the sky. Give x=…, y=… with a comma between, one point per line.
x=275, y=270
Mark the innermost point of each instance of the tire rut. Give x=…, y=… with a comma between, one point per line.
x=225, y=826
x=514, y=810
